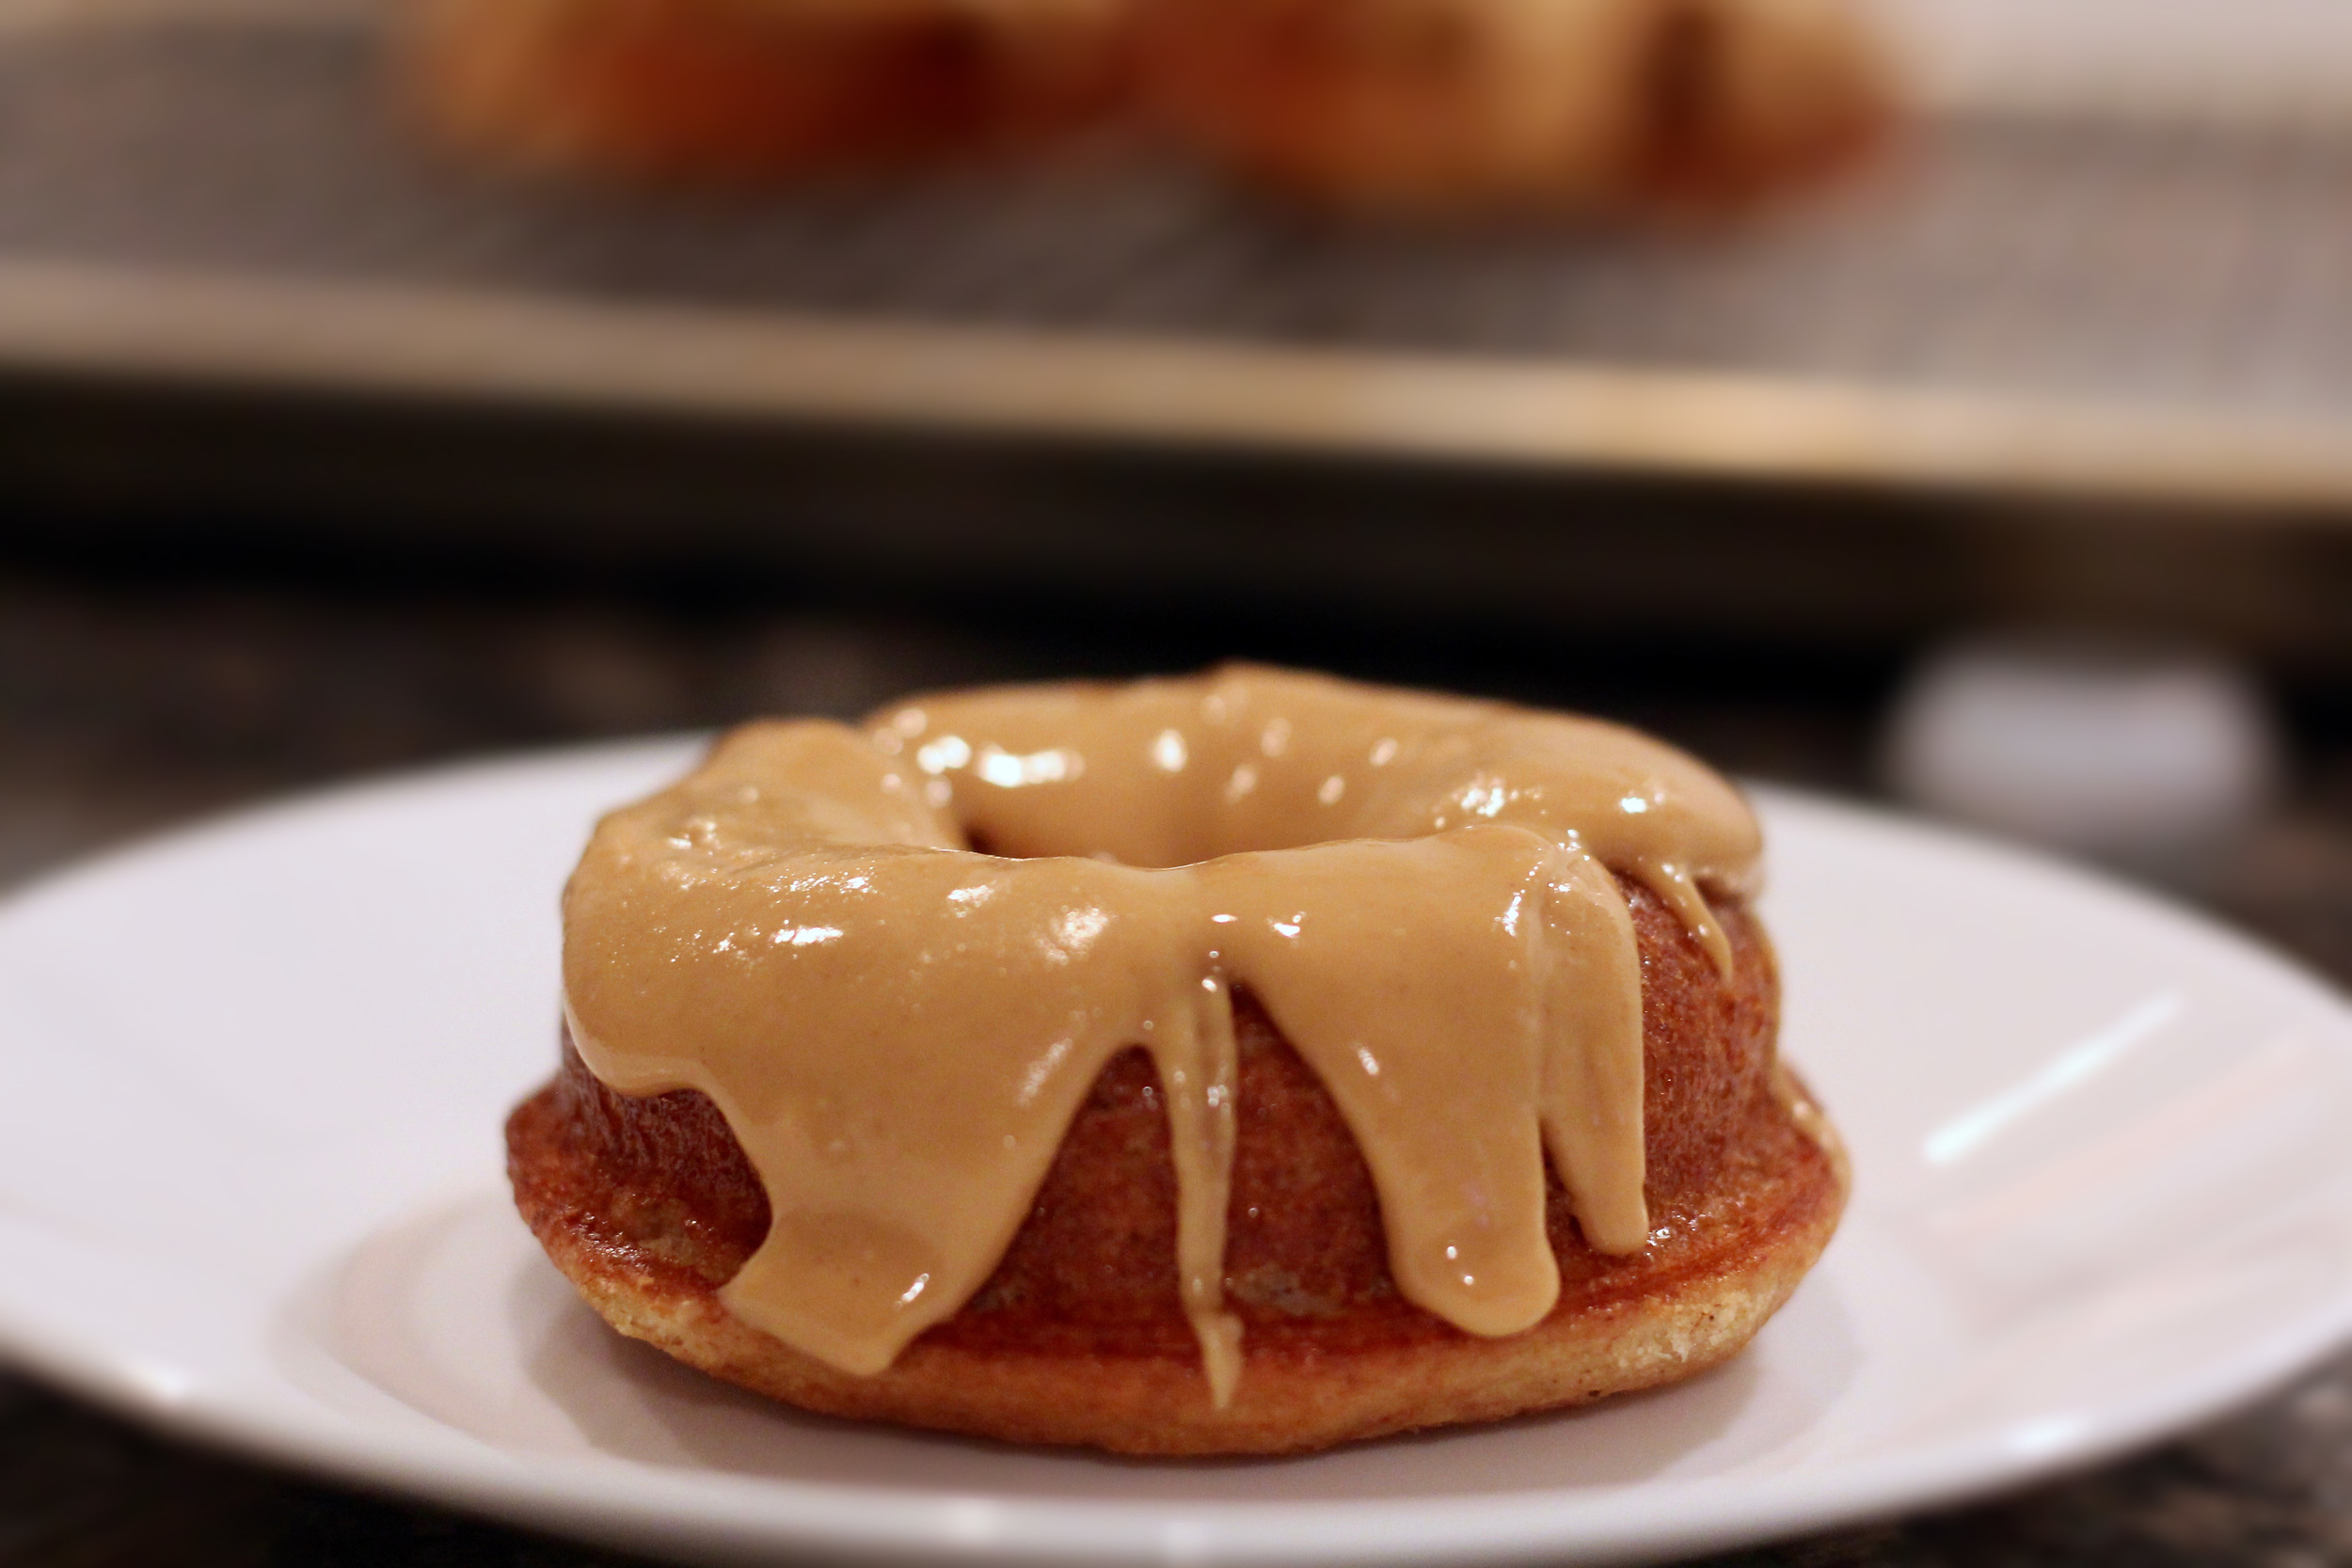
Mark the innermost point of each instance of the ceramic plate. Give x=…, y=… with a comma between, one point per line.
x=250, y=1190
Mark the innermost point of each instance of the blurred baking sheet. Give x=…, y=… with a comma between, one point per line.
x=2115, y=257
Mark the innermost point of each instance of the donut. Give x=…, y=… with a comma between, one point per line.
x=1242, y=1064
x=1518, y=104
x=740, y=91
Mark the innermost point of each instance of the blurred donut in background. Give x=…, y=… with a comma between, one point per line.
x=734, y=91
x=1419, y=106
x=1439, y=105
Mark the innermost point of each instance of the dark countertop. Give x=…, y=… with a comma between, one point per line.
x=129, y=703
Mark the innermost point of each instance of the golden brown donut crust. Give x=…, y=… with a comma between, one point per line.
x=1079, y=1337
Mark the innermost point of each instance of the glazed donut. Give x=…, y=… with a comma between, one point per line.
x=744, y=91
x=1436, y=105
x=1235, y=1065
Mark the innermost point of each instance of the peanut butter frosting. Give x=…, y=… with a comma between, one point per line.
x=897, y=957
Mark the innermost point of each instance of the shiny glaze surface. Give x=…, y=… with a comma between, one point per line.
x=898, y=1025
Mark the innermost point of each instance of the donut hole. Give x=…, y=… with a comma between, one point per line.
x=1214, y=805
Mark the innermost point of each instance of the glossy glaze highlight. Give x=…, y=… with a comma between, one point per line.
x=898, y=1026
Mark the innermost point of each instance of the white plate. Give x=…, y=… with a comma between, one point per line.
x=250, y=1189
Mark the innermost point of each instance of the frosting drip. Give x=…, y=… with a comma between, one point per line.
x=898, y=1027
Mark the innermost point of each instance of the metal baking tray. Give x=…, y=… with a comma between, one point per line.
x=2113, y=256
